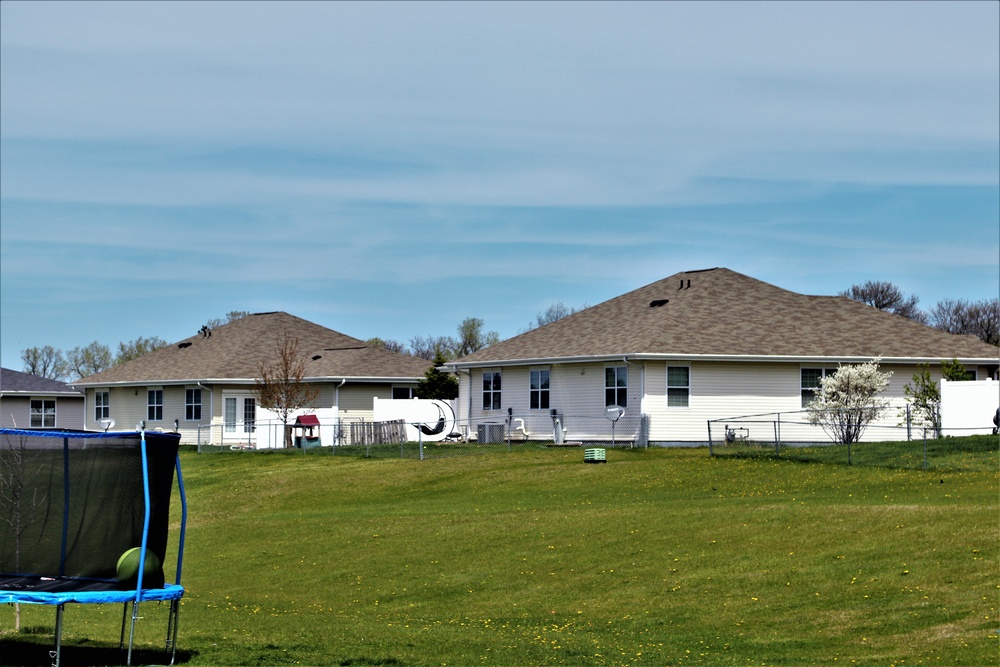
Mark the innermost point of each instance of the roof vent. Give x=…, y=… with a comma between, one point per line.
x=658, y=303
x=317, y=356
x=183, y=345
x=683, y=286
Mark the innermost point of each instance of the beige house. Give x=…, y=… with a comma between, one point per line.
x=204, y=385
x=30, y=401
x=694, y=347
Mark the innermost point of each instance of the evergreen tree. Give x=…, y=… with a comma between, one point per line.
x=436, y=383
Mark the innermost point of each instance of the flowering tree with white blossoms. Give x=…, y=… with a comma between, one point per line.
x=848, y=401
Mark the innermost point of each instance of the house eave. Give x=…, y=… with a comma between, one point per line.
x=649, y=356
x=244, y=381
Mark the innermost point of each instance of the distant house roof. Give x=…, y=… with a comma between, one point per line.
x=233, y=352
x=721, y=314
x=16, y=383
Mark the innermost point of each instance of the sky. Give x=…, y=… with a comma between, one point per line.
x=390, y=169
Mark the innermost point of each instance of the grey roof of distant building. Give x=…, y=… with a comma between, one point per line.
x=15, y=382
x=719, y=313
x=234, y=351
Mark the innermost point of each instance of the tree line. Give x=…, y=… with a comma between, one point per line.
x=80, y=362
x=957, y=316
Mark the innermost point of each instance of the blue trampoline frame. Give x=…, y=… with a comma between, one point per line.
x=168, y=592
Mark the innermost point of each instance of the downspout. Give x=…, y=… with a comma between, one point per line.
x=642, y=389
x=337, y=434
x=642, y=380
x=211, y=411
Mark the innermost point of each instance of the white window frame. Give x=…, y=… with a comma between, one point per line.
x=493, y=391
x=154, y=409
x=620, y=391
x=193, y=409
x=539, y=397
x=399, y=388
x=43, y=416
x=678, y=387
x=824, y=371
x=249, y=414
x=102, y=404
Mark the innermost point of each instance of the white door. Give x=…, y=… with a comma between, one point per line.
x=239, y=419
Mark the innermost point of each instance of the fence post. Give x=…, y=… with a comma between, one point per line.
x=420, y=443
x=909, y=436
x=777, y=435
x=710, y=443
x=925, y=449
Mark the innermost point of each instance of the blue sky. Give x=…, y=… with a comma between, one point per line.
x=390, y=169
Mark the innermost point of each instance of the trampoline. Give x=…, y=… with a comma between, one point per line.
x=72, y=504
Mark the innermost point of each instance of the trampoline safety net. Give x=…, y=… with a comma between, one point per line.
x=71, y=503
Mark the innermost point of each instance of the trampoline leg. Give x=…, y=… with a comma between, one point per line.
x=57, y=654
x=131, y=633
x=172, y=630
x=121, y=642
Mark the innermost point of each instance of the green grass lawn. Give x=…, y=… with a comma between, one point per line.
x=658, y=557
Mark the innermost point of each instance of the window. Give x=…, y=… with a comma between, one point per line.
x=43, y=413
x=538, y=392
x=491, y=390
x=249, y=415
x=811, y=382
x=402, y=392
x=154, y=405
x=192, y=405
x=678, y=386
x=616, y=386
x=102, y=405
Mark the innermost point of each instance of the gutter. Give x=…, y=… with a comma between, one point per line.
x=651, y=356
x=211, y=405
x=642, y=382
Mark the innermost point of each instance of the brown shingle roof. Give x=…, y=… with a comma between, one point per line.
x=233, y=351
x=721, y=313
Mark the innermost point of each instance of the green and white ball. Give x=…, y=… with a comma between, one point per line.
x=128, y=564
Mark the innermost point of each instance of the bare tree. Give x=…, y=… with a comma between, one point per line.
x=94, y=358
x=471, y=337
x=886, y=296
x=556, y=311
x=17, y=509
x=137, y=348
x=231, y=316
x=46, y=362
x=280, y=386
x=959, y=316
x=426, y=347
x=388, y=344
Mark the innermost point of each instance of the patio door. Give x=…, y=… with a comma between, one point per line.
x=239, y=419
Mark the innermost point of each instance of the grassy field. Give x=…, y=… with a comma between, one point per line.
x=659, y=557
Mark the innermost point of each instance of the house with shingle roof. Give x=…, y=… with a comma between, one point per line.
x=205, y=383
x=32, y=401
x=693, y=347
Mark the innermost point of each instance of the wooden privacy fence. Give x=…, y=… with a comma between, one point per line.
x=378, y=433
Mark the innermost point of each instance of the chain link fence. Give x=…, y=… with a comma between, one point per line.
x=791, y=436
x=380, y=439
